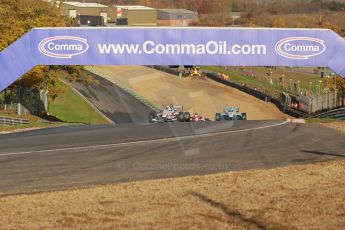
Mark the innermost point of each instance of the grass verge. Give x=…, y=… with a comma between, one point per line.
x=28, y=126
x=322, y=120
x=70, y=107
x=35, y=122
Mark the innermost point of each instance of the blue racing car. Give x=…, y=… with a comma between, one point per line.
x=231, y=113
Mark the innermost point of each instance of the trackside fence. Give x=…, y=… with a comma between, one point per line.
x=325, y=101
x=9, y=121
x=295, y=106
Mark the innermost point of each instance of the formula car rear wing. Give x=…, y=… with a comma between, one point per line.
x=178, y=107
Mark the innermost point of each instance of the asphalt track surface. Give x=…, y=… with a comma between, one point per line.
x=115, y=103
x=68, y=157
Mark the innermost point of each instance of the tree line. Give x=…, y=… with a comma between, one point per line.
x=207, y=6
x=260, y=13
x=17, y=17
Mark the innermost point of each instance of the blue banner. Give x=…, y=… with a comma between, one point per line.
x=172, y=46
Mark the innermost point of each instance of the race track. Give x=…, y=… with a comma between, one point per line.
x=67, y=157
x=205, y=97
x=115, y=103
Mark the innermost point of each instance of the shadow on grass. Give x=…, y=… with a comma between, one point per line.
x=227, y=211
x=323, y=153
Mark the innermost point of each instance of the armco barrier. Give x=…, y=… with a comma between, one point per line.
x=288, y=110
x=336, y=114
x=9, y=121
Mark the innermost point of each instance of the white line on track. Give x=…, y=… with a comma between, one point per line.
x=144, y=141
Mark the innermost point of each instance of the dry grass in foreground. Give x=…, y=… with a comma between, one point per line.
x=303, y=197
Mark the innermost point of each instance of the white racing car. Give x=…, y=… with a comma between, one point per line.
x=170, y=113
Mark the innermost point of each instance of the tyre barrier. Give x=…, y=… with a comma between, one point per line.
x=169, y=70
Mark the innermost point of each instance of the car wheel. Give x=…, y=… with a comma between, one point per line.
x=180, y=117
x=217, y=118
x=152, y=117
x=187, y=117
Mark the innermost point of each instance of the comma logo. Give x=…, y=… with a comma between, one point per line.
x=300, y=47
x=63, y=46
